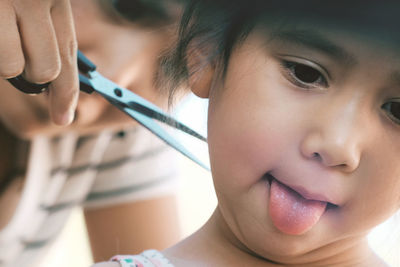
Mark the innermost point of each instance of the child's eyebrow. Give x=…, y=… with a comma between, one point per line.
x=315, y=41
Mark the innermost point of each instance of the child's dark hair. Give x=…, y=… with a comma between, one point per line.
x=206, y=26
x=215, y=27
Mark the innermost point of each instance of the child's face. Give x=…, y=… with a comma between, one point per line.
x=318, y=113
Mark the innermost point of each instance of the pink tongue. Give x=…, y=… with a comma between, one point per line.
x=290, y=212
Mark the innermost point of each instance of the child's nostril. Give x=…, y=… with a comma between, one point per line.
x=317, y=156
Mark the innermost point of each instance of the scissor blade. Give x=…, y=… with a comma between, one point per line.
x=156, y=129
x=124, y=100
x=165, y=119
x=129, y=99
x=115, y=93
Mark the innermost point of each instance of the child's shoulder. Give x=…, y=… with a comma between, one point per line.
x=147, y=258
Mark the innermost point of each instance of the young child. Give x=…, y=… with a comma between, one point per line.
x=303, y=130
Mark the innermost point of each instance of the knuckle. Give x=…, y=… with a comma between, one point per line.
x=11, y=70
x=44, y=75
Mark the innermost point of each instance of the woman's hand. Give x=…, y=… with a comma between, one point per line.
x=38, y=40
x=43, y=48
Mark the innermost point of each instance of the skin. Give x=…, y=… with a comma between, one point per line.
x=331, y=137
x=134, y=232
x=44, y=55
x=101, y=36
x=126, y=53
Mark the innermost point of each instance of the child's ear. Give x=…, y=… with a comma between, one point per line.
x=201, y=73
x=200, y=82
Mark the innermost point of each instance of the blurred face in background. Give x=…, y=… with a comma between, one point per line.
x=126, y=52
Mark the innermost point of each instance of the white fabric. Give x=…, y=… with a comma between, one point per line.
x=94, y=171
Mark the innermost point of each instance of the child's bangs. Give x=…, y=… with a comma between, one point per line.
x=375, y=19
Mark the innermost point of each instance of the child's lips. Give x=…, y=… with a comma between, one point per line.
x=306, y=194
x=310, y=196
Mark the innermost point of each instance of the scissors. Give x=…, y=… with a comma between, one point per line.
x=141, y=110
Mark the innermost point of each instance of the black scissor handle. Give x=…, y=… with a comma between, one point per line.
x=27, y=87
x=84, y=65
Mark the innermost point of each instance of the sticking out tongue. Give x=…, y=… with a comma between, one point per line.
x=290, y=212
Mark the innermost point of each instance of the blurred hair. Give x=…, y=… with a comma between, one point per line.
x=148, y=12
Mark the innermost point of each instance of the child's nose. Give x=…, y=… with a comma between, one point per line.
x=331, y=151
x=334, y=139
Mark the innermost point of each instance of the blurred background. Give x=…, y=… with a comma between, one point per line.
x=197, y=201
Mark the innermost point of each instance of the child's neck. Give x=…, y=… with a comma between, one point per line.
x=215, y=245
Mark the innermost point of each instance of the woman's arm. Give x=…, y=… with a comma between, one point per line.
x=133, y=227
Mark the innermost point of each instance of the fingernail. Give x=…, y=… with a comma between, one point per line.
x=68, y=117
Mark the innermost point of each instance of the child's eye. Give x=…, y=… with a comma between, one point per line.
x=303, y=75
x=393, y=110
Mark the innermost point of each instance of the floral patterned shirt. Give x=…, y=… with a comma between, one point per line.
x=148, y=258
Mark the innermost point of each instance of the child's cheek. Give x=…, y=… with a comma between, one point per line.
x=250, y=124
x=243, y=148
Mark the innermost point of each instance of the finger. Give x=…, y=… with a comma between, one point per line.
x=39, y=42
x=11, y=56
x=64, y=90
